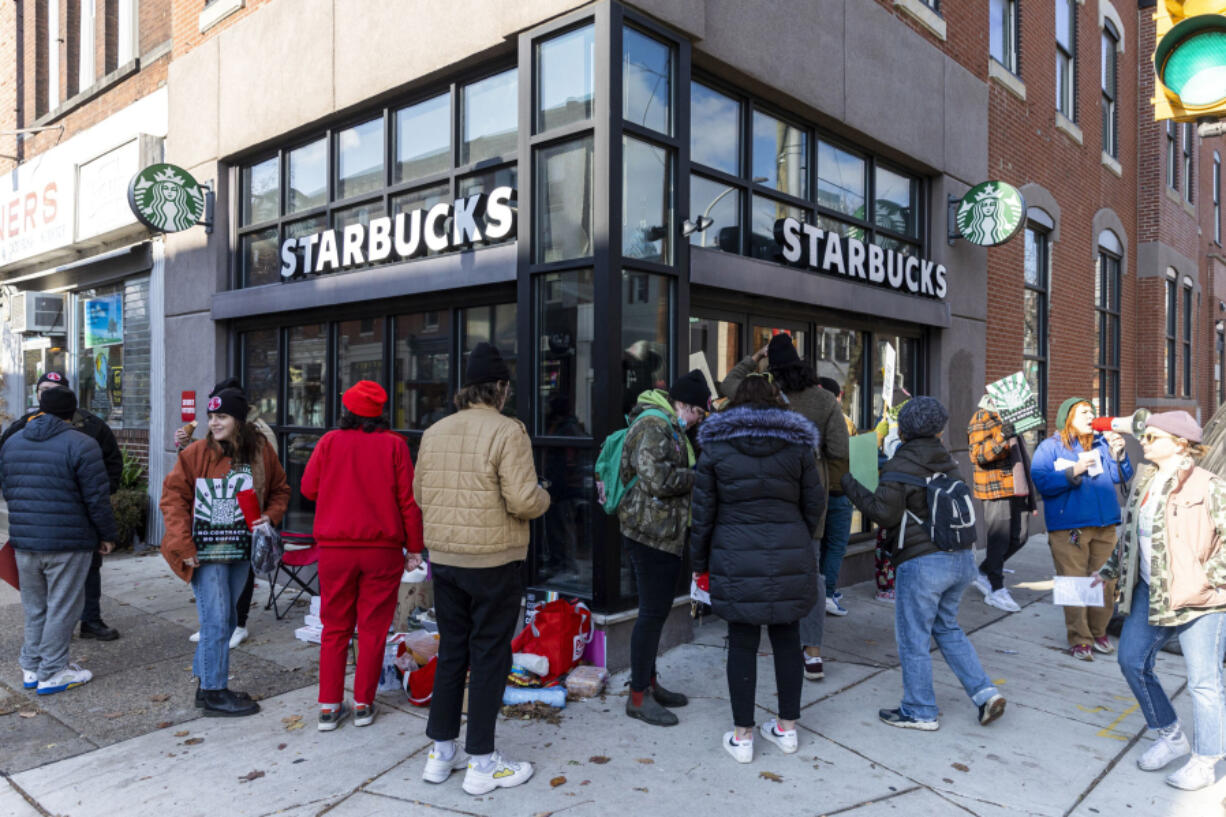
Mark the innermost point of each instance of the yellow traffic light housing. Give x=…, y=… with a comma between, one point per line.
x=1190, y=59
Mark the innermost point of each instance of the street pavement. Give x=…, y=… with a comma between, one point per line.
x=131, y=742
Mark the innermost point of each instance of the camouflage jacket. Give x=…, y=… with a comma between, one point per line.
x=656, y=509
x=1186, y=581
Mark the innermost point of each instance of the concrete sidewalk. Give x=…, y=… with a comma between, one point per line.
x=1066, y=746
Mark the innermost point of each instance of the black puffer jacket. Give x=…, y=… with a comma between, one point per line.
x=921, y=457
x=757, y=500
x=86, y=423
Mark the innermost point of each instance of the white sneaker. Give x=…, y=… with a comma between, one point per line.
x=29, y=680
x=787, y=742
x=67, y=678
x=741, y=750
x=834, y=607
x=502, y=775
x=439, y=769
x=194, y=637
x=1001, y=600
x=238, y=636
x=1163, y=752
x=982, y=584
x=1198, y=773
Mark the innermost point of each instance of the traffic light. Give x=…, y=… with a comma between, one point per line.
x=1190, y=59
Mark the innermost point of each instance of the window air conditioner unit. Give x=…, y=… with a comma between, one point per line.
x=38, y=312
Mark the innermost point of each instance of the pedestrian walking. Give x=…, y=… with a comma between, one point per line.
x=1077, y=472
x=800, y=386
x=55, y=482
x=92, y=625
x=758, y=499
x=887, y=443
x=930, y=581
x=361, y=480
x=654, y=518
x=1170, y=568
x=477, y=487
x=1002, y=483
x=208, y=542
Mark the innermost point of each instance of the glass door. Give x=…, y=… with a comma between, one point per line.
x=716, y=345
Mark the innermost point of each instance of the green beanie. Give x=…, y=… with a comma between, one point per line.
x=1065, y=408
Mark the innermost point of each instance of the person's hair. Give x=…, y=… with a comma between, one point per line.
x=795, y=377
x=758, y=391
x=488, y=394
x=349, y=420
x=248, y=445
x=1195, y=450
x=1068, y=435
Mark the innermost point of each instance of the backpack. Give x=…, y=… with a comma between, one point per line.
x=951, y=513
x=608, y=469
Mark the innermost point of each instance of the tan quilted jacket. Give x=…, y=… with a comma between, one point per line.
x=477, y=487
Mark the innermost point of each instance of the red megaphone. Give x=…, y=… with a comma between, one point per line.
x=1134, y=425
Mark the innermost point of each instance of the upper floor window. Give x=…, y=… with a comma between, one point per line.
x=1111, y=39
x=85, y=59
x=1189, y=144
x=1066, y=58
x=1187, y=339
x=1034, y=318
x=1169, y=367
x=1217, y=197
x=1002, y=36
x=1107, y=284
x=1172, y=156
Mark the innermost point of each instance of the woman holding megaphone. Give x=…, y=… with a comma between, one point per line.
x=1076, y=471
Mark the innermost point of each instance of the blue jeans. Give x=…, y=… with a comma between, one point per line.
x=1203, y=641
x=218, y=586
x=928, y=590
x=834, y=541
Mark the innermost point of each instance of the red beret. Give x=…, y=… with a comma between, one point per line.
x=365, y=398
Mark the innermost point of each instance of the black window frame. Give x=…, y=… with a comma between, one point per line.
x=1172, y=156
x=1107, y=325
x=1067, y=52
x=1110, y=89
x=1216, y=192
x=1042, y=291
x=1011, y=44
x=1188, y=320
x=1188, y=148
x=1170, y=360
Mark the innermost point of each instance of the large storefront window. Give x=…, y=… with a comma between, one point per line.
x=307, y=376
x=359, y=354
x=564, y=320
x=497, y=325
x=562, y=555
x=904, y=352
x=262, y=369
x=422, y=374
x=840, y=357
x=565, y=180
x=719, y=343
x=647, y=202
x=113, y=342
x=647, y=81
x=565, y=77
x=646, y=334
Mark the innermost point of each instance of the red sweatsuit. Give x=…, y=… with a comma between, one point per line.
x=365, y=515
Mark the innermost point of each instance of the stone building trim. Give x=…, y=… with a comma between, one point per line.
x=1040, y=198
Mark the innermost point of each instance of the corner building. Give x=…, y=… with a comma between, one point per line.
x=609, y=131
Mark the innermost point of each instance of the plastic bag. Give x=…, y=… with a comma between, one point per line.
x=559, y=631
x=266, y=549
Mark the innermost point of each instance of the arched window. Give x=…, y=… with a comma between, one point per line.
x=1107, y=284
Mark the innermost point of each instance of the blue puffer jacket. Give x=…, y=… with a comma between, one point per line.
x=1078, y=501
x=56, y=487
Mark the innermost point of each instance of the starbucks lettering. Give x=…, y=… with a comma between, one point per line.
x=480, y=218
x=805, y=245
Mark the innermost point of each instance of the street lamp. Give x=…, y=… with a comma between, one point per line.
x=704, y=221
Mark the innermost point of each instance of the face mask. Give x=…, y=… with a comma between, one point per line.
x=681, y=420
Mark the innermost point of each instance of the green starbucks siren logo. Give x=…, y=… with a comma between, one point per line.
x=166, y=198
x=991, y=213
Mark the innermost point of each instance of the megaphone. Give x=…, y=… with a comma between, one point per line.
x=1134, y=425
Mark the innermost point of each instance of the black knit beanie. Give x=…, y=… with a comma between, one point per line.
x=52, y=377
x=229, y=401
x=921, y=416
x=485, y=365
x=780, y=352
x=830, y=384
x=691, y=388
x=228, y=383
x=58, y=402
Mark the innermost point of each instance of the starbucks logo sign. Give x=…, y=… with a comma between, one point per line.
x=166, y=198
x=991, y=213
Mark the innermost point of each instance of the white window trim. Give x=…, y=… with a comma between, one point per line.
x=86, y=63
x=1112, y=164
x=53, y=55
x=1069, y=127
x=1106, y=11
x=924, y=15
x=217, y=11
x=1011, y=81
x=128, y=36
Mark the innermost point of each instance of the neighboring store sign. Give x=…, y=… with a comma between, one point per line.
x=806, y=245
x=102, y=187
x=187, y=407
x=36, y=214
x=166, y=198
x=103, y=321
x=479, y=218
x=991, y=213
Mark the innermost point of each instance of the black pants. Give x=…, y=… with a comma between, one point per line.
x=477, y=610
x=655, y=573
x=743, y=642
x=91, y=613
x=1007, y=524
x=244, y=599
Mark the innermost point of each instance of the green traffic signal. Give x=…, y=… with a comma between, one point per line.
x=1191, y=60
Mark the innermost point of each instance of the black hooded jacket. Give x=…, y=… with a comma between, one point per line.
x=757, y=500
x=91, y=425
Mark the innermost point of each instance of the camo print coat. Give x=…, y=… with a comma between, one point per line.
x=1188, y=562
x=656, y=510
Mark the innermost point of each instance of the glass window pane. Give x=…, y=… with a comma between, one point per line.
x=900, y=247
x=487, y=180
x=646, y=330
x=308, y=176
x=261, y=199
x=906, y=367
x=422, y=369
x=308, y=375
x=780, y=155
x=1063, y=23
x=647, y=202
x=839, y=353
x=719, y=342
x=359, y=167
x=261, y=262
x=564, y=304
x=423, y=138
x=721, y=204
x=490, y=112
x=1031, y=320
x=565, y=78
x=358, y=214
x=896, y=202
x=262, y=373
x=359, y=354
x=760, y=336
x=647, y=81
x=563, y=211
x=306, y=226
x=562, y=539
x=715, y=129
x=840, y=180
x=300, y=517
x=1032, y=259
x=493, y=324
x=833, y=225
x=423, y=198
x=766, y=212
x=996, y=30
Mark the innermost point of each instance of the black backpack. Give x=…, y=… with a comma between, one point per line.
x=951, y=513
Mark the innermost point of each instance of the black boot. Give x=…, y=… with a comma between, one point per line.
x=99, y=630
x=200, y=696
x=222, y=703
x=650, y=711
x=666, y=698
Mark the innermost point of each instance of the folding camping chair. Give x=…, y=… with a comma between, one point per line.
x=301, y=553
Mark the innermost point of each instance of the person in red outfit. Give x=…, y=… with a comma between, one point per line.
x=361, y=479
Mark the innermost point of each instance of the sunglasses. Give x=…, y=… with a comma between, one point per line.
x=1150, y=437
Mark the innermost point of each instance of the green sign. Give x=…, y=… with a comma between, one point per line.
x=166, y=198
x=991, y=213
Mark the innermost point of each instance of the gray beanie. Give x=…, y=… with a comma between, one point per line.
x=921, y=417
